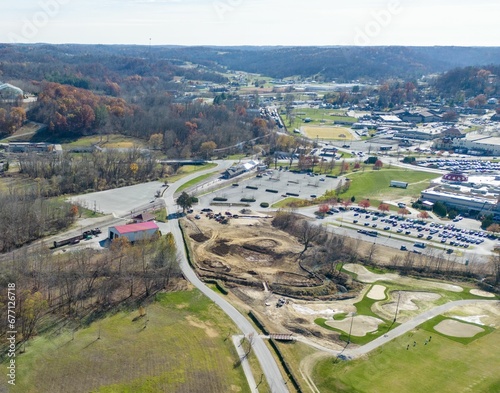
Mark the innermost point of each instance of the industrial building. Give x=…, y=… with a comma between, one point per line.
x=134, y=232
x=472, y=195
x=479, y=146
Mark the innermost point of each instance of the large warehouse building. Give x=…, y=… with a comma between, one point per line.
x=134, y=232
x=471, y=194
x=479, y=146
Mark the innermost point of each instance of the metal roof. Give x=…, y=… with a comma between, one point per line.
x=139, y=227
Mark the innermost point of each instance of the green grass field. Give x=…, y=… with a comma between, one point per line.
x=187, y=169
x=443, y=366
x=194, y=181
x=109, y=141
x=317, y=116
x=375, y=184
x=186, y=347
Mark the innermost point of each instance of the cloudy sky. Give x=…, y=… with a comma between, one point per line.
x=253, y=22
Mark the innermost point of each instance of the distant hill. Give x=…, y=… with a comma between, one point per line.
x=323, y=63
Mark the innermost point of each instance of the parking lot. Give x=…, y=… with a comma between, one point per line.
x=479, y=166
x=447, y=236
x=269, y=187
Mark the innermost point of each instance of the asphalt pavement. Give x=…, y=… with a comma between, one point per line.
x=268, y=364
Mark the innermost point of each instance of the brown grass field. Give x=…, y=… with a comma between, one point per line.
x=325, y=132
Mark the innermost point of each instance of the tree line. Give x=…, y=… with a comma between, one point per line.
x=325, y=253
x=78, y=285
x=100, y=170
x=25, y=215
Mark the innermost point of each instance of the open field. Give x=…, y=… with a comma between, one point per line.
x=181, y=345
x=326, y=132
x=194, y=181
x=187, y=169
x=375, y=184
x=105, y=141
x=442, y=365
x=318, y=116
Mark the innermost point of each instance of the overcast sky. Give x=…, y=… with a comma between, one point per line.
x=253, y=22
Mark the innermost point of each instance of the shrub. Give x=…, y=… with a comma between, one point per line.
x=264, y=204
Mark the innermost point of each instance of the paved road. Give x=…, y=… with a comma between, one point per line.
x=266, y=359
x=245, y=364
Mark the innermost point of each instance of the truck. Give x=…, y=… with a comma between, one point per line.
x=398, y=184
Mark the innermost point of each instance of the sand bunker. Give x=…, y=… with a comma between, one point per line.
x=442, y=285
x=376, y=293
x=408, y=299
x=364, y=275
x=476, y=319
x=479, y=292
x=309, y=311
x=454, y=328
x=361, y=325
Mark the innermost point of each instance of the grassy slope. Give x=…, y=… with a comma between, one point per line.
x=170, y=354
x=375, y=184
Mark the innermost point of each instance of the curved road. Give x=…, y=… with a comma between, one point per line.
x=266, y=359
x=398, y=331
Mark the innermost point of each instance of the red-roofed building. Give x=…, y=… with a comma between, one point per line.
x=134, y=232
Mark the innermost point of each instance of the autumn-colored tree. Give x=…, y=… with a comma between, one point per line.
x=378, y=164
x=383, y=207
x=323, y=208
x=346, y=203
x=207, y=149
x=134, y=168
x=156, y=141
x=357, y=165
x=344, y=167
x=74, y=210
x=423, y=214
x=403, y=211
x=32, y=309
x=365, y=203
x=450, y=116
x=494, y=228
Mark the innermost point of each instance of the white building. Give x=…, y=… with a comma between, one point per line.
x=483, y=145
x=9, y=92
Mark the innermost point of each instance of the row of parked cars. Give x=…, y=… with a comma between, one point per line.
x=445, y=233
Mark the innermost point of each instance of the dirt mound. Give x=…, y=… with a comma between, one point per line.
x=221, y=248
x=199, y=237
x=266, y=243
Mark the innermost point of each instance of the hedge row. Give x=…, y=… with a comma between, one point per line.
x=247, y=200
x=332, y=176
x=259, y=324
x=264, y=204
x=285, y=365
x=292, y=194
x=269, y=190
x=252, y=187
x=218, y=285
x=220, y=199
